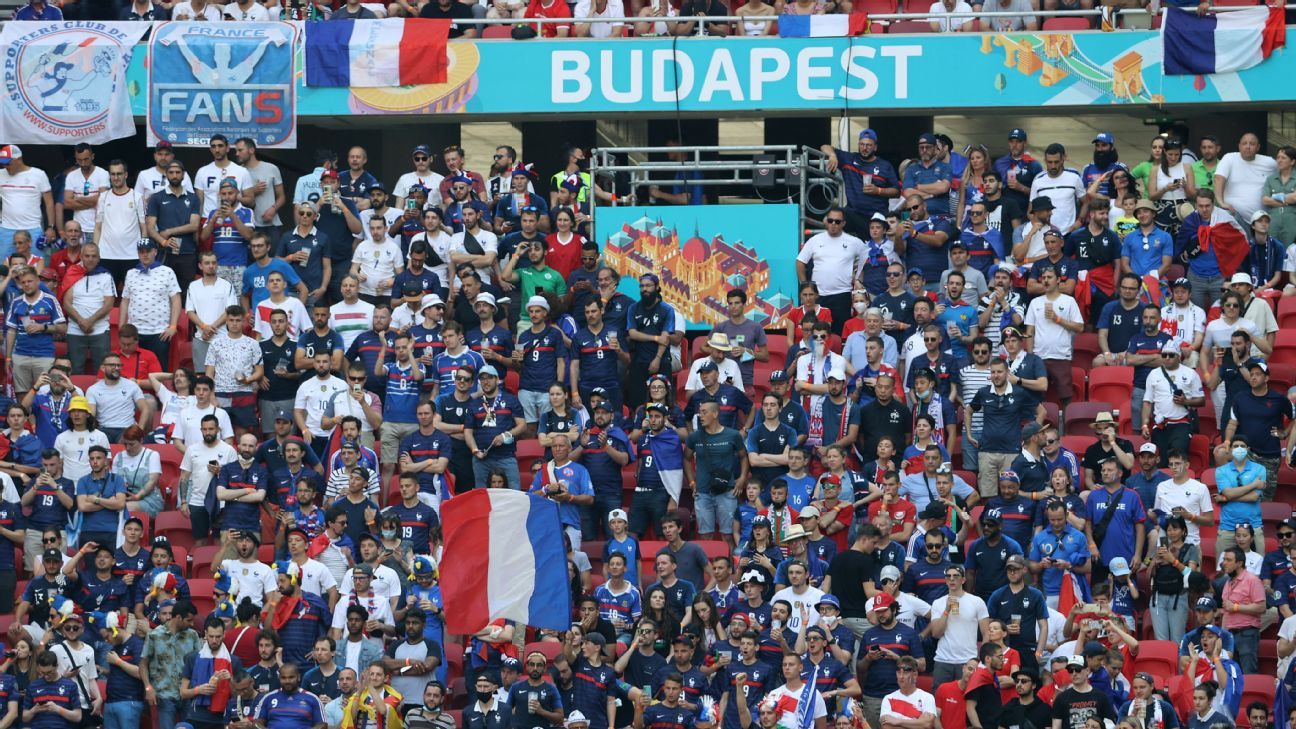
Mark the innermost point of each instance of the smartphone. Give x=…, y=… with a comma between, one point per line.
x=355, y=389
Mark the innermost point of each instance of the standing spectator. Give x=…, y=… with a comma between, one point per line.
x=1023, y=609
x=31, y=323
x=1063, y=187
x=651, y=331
x=716, y=469
x=871, y=181
x=266, y=184
x=1240, y=484
x=150, y=300
x=495, y=423
x=1002, y=408
x=87, y=304
x=1173, y=392
x=305, y=248
x=925, y=236
x=23, y=189
x=234, y=363
x=1116, y=518
x=1056, y=550
x=1279, y=196
x=1259, y=416
x=229, y=225
x=956, y=618
x=82, y=188
x=116, y=401
x=119, y=221
x=566, y=483
x=1240, y=178
x=202, y=462
x=1017, y=168
x=173, y=218
x=837, y=258
x=1243, y=600
x=101, y=497
x=277, y=388
x=884, y=648
x=206, y=299
x=1053, y=320
x=928, y=177
x=210, y=178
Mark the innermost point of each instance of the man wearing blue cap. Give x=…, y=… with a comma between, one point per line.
x=929, y=178
x=495, y=421
x=1104, y=164
x=1017, y=168
x=870, y=181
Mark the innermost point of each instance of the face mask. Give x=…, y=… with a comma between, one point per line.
x=484, y=696
x=1239, y=454
x=389, y=533
x=860, y=306
x=921, y=394
x=831, y=620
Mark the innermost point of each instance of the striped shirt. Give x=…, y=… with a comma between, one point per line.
x=45, y=310
x=971, y=380
x=349, y=320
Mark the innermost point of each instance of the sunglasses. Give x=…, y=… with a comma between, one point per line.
x=1286, y=535
x=420, y=158
x=50, y=541
x=1230, y=305
x=834, y=221
x=498, y=156
x=935, y=547
x=820, y=338
x=894, y=274
x=906, y=669
x=1171, y=355
x=911, y=209
x=1051, y=441
x=978, y=212
x=355, y=379
x=931, y=339
x=462, y=378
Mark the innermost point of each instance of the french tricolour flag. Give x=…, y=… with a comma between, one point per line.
x=1220, y=42
x=367, y=53
x=822, y=26
x=504, y=558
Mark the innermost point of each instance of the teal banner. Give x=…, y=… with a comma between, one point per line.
x=868, y=74
x=701, y=252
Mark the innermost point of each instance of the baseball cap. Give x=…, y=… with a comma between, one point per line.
x=1119, y=567
x=1170, y=347
x=934, y=510
x=1148, y=448
x=9, y=153
x=810, y=512
x=604, y=405
x=511, y=663
x=363, y=569
x=1206, y=602
x=618, y=514
x=989, y=517
x=1010, y=476
x=958, y=244
x=882, y=601
x=1258, y=214
x=422, y=149
x=828, y=599
x=488, y=371
x=1031, y=429
x=329, y=174
x=836, y=373
x=868, y=134
x=1257, y=364
x=1105, y=138
x=1181, y=282
x=412, y=290
x=927, y=138
x=282, y=414
x=145, y=244
x=1015, y=560
x=350, y=445
x=915, y=271
x=778, y=376
x=485, y=297
x=52, y=555
x=596, y=639
x=1017, y=133
x=1094, y=648
x=708, y=366
x=890, y=572
x=1075, y=662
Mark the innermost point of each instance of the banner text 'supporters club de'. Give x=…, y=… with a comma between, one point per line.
x=65, y=82
x=234, y=79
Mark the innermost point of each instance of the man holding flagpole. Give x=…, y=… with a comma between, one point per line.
x=798, y=702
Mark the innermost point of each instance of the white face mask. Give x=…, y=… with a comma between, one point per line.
x=860, y=307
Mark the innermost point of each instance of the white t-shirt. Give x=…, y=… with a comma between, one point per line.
x=185, y=11
x=1183, y=323
x=312, y=397
x=789, y=715
x=122, y=219
x=254, y=579
x=1244, y=181
x=316, y=578
x=1286, y=631
x=84, y=659
x=74, y=446
x=808, y=600
x=1063, y=190
x=152, y=180
x=378, y=263
x=729, y=373
x=1219, y=333
x=959, y=644
x=379, y=608
x=349, y=320
x=489, y=244
x=942, y=16
x=298, y=320
x=257, y=11
x=1160, y=392
x=115, y=405
x=208, y=178
x=432, y=181
x=87, y=298
x=585, y=9
x=1192, y=495
x=1052, y=341
x=391, y=215
x=150, y=298
x=195, y=460
x=189, y=424
x=172, y=404
x=385, y=582
x=893, y=703
x=210, y=302
x=440, y=244
x=341, y=404
x=837, y=261
x=79, y=185
x=20, y=198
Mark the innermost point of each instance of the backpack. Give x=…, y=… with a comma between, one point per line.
x=1166, y=580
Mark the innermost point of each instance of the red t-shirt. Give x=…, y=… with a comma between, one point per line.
x=796, y=315
x=564, y=258
x=852, y=325
x=844, y=517
x=952, y=705
x=556, y=9
x=242, y=642
x=902, y=512
x=138, y=366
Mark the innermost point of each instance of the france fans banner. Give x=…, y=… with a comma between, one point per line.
x=504, y=557
x=234, y=79
x=65, y=82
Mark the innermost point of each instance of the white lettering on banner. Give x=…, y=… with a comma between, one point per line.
x=671, y=74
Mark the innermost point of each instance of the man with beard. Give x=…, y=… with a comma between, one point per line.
x=606, y=450
x=1022, y=608
x=355, y=181
x=347, y=682
x=871, y=181
x=1026, y=710
x=412, y=660
x=256, y=581
x=1075, y=706
x=1105, y=162
x=652, y=332
x=290, y=707
x=1017, y=168
x=202, y=461
x=431, y=714
x=1204, y=168
x=929, y=178
x=535, y=700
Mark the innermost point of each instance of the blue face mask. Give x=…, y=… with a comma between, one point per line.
x=1239, y=454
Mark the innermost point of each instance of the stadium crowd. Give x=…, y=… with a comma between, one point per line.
x=1016, y=459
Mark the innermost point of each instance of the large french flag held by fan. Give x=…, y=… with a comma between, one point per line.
x=504, y=558
x=376, y=53
x=822, y=26
x=1221, y=42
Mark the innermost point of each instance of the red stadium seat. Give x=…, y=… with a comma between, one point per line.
x=1078, y=443
x=1273, y=512
x=874, y=7
x=1268, y=658
x=84, y=381
x=143, y=517
x=202, y=596
x=1199, y=453
x=1085, y=344
x=1287, y=312
x=1282, y=376
x=1080, y=416
x=550, y=649
x=175, y=527
x=1284, y=347
x=715, y=548
x=201, y=565
x=1157, y=657
x=1113, y=384
x=1258, y=687
x=910, y=26
x=1059, y=24
x=496, y=32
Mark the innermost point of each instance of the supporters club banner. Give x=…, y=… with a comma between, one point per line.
x=700, y=252
x=66, y=82
x=234, y=79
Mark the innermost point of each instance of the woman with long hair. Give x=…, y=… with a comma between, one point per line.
x=1170, y=184
x=705, y=623
x=762, y=552
x=809, y=296
x=1121, y=182
x=22, y=663
x=141, y=469
x=656, y=609
x=1142, y=170
x=972, y=186
x=1060, y=488
x=659, y=391
x=1147, y=707
x=174, y=401
x=75, y=442
x=565, y=243
x=1279, y=197
x=560, y=418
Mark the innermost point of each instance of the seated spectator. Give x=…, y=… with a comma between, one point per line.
x=950, y=24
